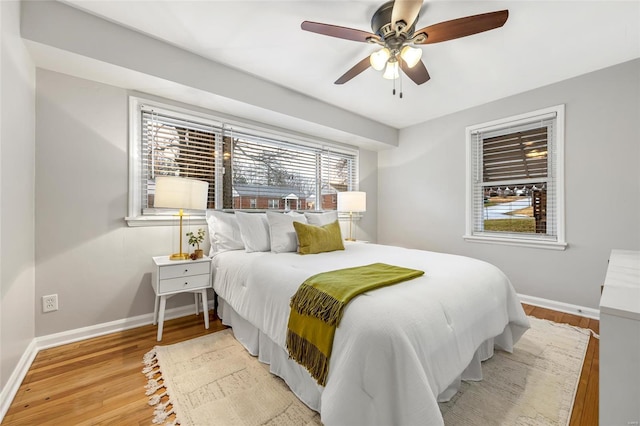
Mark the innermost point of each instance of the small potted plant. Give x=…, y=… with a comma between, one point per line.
x=195, y=240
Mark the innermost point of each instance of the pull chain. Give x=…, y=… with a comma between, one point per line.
x=394, y=86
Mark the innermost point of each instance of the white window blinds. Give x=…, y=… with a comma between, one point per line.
x=175, y=146
x=515, y=178
x=245, y=169
x=279, y=174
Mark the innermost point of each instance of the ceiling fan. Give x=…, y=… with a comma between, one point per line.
x=393, y=26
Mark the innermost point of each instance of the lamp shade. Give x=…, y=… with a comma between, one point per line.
x=391, y=72
x=379, y=59
x=181, y=193
x=411, y=55
x=352, y=201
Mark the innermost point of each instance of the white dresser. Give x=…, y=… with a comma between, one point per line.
x=620, y=341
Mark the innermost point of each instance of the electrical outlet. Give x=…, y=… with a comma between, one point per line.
x=50, y=303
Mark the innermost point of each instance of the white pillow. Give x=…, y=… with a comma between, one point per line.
x=254, y=229
x=224, y=231
x=283, y=235
x=321, y=219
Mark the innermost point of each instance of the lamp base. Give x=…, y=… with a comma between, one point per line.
x=179, y=256
x=349, y=239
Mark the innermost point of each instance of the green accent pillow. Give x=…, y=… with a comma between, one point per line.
x=318, y=239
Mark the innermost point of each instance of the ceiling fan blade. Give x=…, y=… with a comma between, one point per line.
x=418, y=73
x=462, y=27
x=355, y=70
x=405, y=10
x=337, y=31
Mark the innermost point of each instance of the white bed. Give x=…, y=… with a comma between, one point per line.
x=398, y=349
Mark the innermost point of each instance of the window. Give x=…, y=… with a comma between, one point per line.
x=515, y=180
x=173, y=146
x=245, y=168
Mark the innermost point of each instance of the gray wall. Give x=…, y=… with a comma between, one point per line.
x=421, y=199
x=366, y=227
x=115, y=54
x=99, y=267
x=17, y=143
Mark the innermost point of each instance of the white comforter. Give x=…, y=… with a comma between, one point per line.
x=397, y=348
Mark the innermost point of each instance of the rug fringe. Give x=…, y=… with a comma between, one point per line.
x=155, y=399
x=162, y=410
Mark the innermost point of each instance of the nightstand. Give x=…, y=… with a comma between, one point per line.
x=171, y=277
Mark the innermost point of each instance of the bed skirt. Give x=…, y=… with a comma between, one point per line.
x=299, y=380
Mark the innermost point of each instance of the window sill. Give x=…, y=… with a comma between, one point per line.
x=519, y=242
x=134, y=221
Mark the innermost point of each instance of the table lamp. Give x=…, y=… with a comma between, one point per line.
x=352, y=202
x=180, y=193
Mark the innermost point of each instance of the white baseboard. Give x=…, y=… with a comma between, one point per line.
x=17, y=376
x=560, y=306
x=9, y=392
x=70, y=336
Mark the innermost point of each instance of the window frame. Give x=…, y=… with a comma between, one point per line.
x=135, y=215
x=557, y=144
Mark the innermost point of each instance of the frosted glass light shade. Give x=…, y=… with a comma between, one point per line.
x=352, y=201
x=391, y=73
x=379, y=59
x=411, y=55
x=180, y=193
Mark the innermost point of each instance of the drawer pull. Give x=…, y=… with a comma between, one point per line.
x=186, y=270
x=186, y=283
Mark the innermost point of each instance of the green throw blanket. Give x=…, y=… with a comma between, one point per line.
x=318, y=305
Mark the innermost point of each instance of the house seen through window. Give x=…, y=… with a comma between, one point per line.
x=515, y=191
x=244, y=169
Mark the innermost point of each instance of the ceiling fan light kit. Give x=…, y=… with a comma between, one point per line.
x=393, y=26
x=379, y=59
x=391, y=71
x=411, y=55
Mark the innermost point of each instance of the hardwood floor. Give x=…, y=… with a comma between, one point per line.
x=99, y=381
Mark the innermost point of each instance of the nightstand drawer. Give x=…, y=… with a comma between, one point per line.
x=184, y=270
x=186, y=283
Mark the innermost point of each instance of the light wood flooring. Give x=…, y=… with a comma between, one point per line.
x=99, y=380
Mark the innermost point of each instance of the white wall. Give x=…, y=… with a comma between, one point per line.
x=99, y=267
x=17, y=115
x=421, y=199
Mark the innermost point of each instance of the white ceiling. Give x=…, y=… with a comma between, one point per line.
x=541, y=43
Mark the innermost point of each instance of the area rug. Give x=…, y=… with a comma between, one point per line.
x=213, y=380
x=535, y=385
